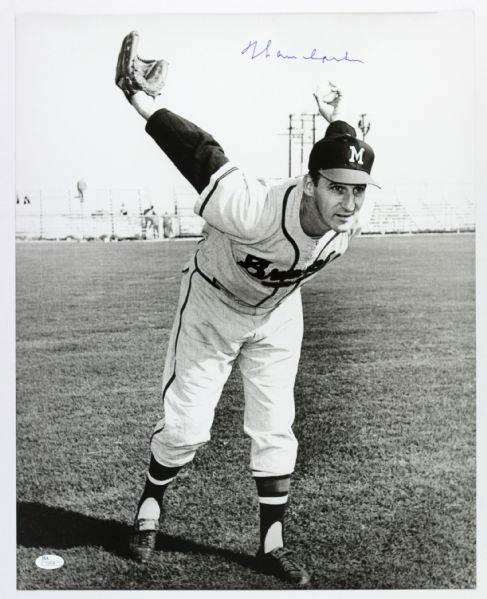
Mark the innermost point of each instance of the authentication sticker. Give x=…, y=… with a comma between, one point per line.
x=49, y=562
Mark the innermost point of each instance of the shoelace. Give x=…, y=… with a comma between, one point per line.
x=145, y=537
x=286, y=559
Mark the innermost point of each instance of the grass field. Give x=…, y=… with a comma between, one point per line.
x=384, y=490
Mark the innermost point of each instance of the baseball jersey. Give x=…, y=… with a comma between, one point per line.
x=254, y=250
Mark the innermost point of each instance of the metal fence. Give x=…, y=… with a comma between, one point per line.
x=422, y=209
x=119, y=214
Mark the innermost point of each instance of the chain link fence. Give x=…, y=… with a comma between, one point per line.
x=129, y=214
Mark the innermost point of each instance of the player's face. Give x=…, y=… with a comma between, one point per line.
x=336, y=204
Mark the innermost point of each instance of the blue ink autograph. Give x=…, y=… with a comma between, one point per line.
x=255, y=52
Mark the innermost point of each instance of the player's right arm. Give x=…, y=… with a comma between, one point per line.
x=194, y=152
x=229, y=201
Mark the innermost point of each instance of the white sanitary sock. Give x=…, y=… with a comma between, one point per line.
x=273, y=538
x=149, y=510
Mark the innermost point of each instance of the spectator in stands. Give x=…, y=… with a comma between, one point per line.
x=155, y=225
x=167, y=224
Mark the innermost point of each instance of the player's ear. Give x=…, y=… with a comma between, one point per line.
x=308, y=185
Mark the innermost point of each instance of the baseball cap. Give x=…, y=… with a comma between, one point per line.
x=341, y=157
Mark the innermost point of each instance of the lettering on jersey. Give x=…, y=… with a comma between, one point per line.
x=356, y=156
x=258, y=268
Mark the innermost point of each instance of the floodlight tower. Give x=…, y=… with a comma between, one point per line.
x=364, y=125
x=303, y=128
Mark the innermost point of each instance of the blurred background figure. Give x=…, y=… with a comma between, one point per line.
x=150, y=223
x=167, y=225
x=81, y=186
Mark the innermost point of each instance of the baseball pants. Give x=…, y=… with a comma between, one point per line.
x=207, y=337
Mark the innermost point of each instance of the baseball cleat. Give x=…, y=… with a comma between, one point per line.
x=143, y=539
x=282, y=562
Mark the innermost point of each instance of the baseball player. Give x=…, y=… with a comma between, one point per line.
x=240, y=302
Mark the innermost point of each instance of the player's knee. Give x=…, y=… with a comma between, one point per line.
x=174, y=454
x=273, y=451
x=274, y=461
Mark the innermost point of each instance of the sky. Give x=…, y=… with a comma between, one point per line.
x=415, y=82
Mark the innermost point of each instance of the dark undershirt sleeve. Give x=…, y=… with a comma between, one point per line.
x=192, y=151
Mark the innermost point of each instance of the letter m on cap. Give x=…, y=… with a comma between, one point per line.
x=356, y=156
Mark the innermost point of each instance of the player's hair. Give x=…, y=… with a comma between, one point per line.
x=315, y=177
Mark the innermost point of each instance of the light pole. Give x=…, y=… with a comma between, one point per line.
x=301, y=127
x=364, y=125
x=290, y=129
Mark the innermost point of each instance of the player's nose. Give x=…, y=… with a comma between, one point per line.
x=348, y=201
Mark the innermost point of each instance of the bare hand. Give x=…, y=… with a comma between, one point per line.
x=328, y=98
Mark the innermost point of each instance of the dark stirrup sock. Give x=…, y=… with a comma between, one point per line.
x=158, y=479
x=273, y=494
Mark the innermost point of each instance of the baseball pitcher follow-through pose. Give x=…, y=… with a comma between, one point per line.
x=240, y=299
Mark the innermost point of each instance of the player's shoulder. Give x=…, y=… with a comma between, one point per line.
x=278, y=189
x=277, y=184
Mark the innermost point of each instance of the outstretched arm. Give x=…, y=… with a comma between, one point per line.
x=194, y=152
x=228, y=200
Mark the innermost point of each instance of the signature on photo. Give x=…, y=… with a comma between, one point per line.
x=256, y=50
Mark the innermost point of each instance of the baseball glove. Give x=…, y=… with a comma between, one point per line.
x=137, y=74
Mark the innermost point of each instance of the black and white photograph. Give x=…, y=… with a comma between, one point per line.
x=245, y=299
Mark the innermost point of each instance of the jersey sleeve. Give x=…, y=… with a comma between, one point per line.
x=194, y=152
x=235, y=204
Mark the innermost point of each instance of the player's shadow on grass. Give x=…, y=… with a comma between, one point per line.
x=40, y=525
